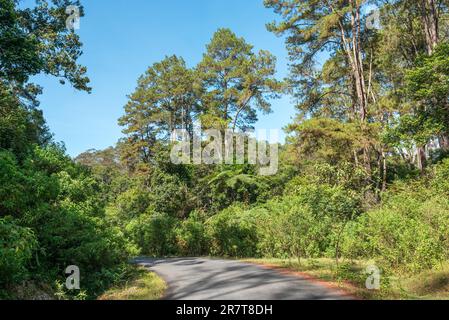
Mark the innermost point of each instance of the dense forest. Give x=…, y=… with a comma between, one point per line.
x=363, y=173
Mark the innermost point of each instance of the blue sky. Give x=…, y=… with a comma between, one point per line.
x=122, y=38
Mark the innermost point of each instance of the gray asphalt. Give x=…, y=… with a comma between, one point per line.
x=210, y=279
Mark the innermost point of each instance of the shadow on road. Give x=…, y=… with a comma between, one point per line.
x=209, y=279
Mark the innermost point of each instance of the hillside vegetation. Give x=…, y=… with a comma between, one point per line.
x=363, y=175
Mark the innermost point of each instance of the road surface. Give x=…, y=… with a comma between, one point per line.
x=210, y=279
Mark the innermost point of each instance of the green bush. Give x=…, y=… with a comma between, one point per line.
x=167, y=194
x=405, y=233
x=307, y=222
x=233, y=233
x=16, y=247
x=128, y=205
x=13, y=195
x=154, y=233
x=58, y=209
x=191, y=236
x=441, y=178
x=284, y=230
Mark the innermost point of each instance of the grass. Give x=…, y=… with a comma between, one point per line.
x=429, y=284
x=141, y=285
x=350, y=276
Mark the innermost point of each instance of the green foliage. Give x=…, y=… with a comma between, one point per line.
x=56, y=205
x=428, y=83
x=406, y=234
x=168, y=194
x=71, y=237
x=359, y=125
x=191, y=237
x=409, y=231
x=235, y=184
x=165, y=99
x=326, y=199
x=154, y=233
x=236, y=82
x=138, y=284
x=20, y=127
x=307, y=222
x=429, y=79
x=12, y=192
x=35, y=40
x=326, y=139
x=233, y=233
x=414, y=129
x=128, y=205
x=441, y=181
x=19, y=50
x=58, y=202
x=16, y=248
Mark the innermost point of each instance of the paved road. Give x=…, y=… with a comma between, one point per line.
x=209, y=279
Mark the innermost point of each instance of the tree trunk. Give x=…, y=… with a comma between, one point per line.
x=384, y=171
x=367, y=160
x=353, y=50
x=444, y=142
x=430, y=18
x=421, y=158
x=337, y=245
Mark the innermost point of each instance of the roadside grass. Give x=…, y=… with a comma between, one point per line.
x=350, y=276
x=429, y=285
x=141, y=285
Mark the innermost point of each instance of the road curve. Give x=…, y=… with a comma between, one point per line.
x=210, y=279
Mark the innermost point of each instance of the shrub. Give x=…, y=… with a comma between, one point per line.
x=167, y=194
x=233, y=233
x=191, y=236
x=129, y=205
x=405, y=233
x=16, y=248
x=441, y=180
x=68, y=236
x=154, y=233
x=307, y=221
x=290, y=229
x=57, y=209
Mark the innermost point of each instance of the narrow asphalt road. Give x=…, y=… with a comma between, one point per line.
x=209, y=279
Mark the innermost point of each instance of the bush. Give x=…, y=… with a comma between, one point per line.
x=441, y=178
x=154, y=233
x=233, y=233
x=129, y=205
x=405, y=233
x=191, y=237
x=16, y=247
x=12, y=195
x=307, y=222
x=324, y=199
x=410, y=230
x=68, y=236
x=58, y=209
x=291, y=230
x=167, y=194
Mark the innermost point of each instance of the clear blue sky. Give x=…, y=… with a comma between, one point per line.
x=123, y=37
